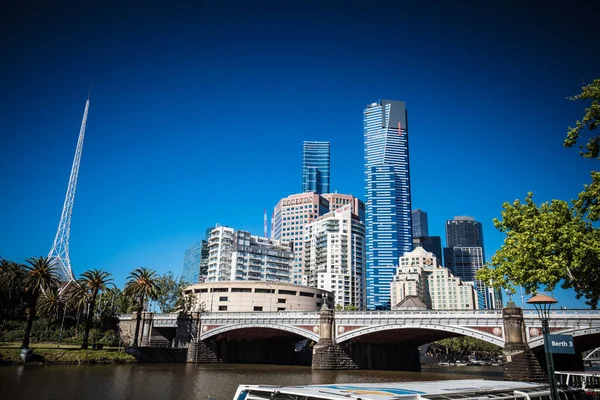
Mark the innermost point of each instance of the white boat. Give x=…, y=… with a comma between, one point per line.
x=432, y=390
x=589, y=381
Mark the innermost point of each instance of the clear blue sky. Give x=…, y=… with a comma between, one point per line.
x=198, y=113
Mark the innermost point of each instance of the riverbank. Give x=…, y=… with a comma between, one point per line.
x=10, y=354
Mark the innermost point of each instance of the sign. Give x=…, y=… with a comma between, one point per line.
x=561, y=344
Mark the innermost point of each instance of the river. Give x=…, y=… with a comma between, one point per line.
x=189, y=381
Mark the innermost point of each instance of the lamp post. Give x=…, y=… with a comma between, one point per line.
x=542, y=304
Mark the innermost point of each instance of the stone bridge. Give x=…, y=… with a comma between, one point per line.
x=360, y=339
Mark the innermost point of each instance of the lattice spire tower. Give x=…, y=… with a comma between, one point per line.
x=60, y=249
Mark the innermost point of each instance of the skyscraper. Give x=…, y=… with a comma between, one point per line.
x=419, y=223
x=315, y=167
x=387, y=186
x=464, y=232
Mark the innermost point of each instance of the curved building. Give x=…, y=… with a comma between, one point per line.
x=248, y=296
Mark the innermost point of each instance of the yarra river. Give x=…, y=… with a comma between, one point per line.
x=191, y=381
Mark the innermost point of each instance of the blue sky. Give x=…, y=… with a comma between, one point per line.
x=199, y=111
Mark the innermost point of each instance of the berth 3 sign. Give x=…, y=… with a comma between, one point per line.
x=561, y=344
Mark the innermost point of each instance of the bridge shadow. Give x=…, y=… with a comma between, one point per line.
x=257, y=346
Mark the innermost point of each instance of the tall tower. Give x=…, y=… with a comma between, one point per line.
x=60, y=249
x=419, y=223
x=387, y=186
x=315, y=167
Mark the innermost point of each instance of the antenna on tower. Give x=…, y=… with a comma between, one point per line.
x=59, y=253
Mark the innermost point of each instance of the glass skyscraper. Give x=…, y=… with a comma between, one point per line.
x=315, y=167
x=387, y=186
x=419, y=223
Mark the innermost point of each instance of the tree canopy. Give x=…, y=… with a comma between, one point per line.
x=555, y=243
x=589, y=122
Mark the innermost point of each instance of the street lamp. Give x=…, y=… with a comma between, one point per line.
x=542, y=304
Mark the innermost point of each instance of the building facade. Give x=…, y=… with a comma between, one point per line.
x=419, y=274
x=334, y=256
x=420, y=226
x=464, y=232
x=240, y=256
x=337, y=200
x=192, y=259
x=291, y=215
x=316, y=167
x=388, y=201
x=241, y=296
x=465, y=262
x=433, y=244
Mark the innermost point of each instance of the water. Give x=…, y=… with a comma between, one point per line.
x=190, y=381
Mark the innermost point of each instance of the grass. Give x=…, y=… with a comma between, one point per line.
x=67, y=354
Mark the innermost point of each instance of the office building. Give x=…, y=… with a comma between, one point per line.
x=433, y=244
x=464, y=232
x=315, y=167
x=419, y=223
x=337, y=200
x=419, y=275
x=334, y=256
x=195, y=261
x=387, y=186
x=240, y=256
x=291, y=214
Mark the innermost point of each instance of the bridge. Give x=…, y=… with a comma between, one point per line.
x=357, y=338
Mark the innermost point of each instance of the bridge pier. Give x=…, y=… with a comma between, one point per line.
x=520, y=363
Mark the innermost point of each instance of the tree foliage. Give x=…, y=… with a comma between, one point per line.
x=142, y=284
x=546, y=245
x=464, y=345
x=171, y=292
x=93, y=281
x=589, y=122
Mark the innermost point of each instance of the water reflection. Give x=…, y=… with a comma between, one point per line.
x=191, y=381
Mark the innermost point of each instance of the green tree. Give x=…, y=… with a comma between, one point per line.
x=49, y=304
x=589, y=122
x=40, y=276
x=94, y=281
x=12, y=275
x=546, y=245
x=171, y=291
x=142, y=285
x=77, y=296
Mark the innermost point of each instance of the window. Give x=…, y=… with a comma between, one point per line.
x=258, y=290
x=306, y=294
x=256, y=308
x=281, y=301
x=289, y=292
x=241, y=290
x=223, y=298
x=280, y=308
x=220, y=290
x=222, y=308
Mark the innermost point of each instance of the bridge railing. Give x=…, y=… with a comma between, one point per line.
x=560, y=313
x=261, y=314
x=429, y=313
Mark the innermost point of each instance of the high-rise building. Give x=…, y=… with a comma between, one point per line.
x=387, y=185
x=315, y=167
x=464, y=232
x=433, y=244
x=418, y=274
x=291, y=214
x=334, y=256
x=240, y=256
x=464, y=255
x=337, y=200
x=419, y=223
x=195, y=261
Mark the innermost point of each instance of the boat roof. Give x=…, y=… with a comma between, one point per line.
x=447, y=389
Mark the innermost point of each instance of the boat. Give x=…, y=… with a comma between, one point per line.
x=431, y=390
x=589, y=381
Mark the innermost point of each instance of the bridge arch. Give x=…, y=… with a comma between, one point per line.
x=575, y=332
x=498, y=341
x=287, y=328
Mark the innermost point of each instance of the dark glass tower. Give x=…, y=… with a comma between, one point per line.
x=387, y=186
x=419, y=223
x=315, y=167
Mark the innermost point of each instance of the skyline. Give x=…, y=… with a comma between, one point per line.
x=179, y=106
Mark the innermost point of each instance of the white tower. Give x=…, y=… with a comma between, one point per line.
x=60, y=249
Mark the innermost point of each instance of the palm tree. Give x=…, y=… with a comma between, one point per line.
x=11, y=280
x=94, y=281
x=41, y=275
x=142, y=284
x=49, y=304
x=77, y=299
